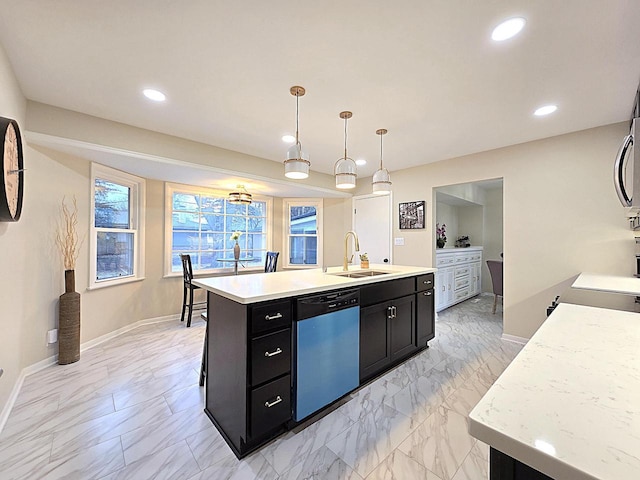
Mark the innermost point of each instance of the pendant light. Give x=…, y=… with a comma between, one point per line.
x=240, y=196
x=381, y=179
x=297, y=164
x=345, y=167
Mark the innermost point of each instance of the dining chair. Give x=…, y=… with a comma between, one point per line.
x=495, y=269
x=188, y=288
x=271, y=262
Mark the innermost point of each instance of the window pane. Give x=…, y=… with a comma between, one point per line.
x=256, y=224
x=258, y=209
x=112, y=205
x=185, y=240
x=303, y=220
x=185, y=202
x=213, y=222
x=236, y=223
x=115, y=255
x=303, y=250
x=211, y=205
x=236, y=209
x=186, y=221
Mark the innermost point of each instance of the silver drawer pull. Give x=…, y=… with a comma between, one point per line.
x=277, y=351
x=427, y=294
x=427, y=282
x=273, y=317
x=275, y=402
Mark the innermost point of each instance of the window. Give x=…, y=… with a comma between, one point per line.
x=200, y=223
x=303, y=232
x=117, y=227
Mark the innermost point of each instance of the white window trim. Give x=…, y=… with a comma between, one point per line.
x=169, y=188
x=302, y=202
x=137, y=213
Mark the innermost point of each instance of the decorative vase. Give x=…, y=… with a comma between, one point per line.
x=69, y=321
x=236, y=251
x=440, y=242
x=364, y=263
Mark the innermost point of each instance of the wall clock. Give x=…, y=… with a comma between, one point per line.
x=11, y=171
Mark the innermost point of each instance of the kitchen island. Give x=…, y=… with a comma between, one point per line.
x=263, y=358
x=568, y=406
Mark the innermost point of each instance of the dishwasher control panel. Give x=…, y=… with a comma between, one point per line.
x=315, y=305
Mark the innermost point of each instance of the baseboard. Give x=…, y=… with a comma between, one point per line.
x=42, y=364
x=514, y=339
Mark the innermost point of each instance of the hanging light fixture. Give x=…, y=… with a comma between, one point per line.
x=240, y=196
x=345, y=167
x=297, y=164
x=381, y=179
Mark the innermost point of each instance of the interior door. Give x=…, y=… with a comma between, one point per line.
x=372, y=223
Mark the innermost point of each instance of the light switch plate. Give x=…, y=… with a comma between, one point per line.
x=398, y=241
x=52, y=336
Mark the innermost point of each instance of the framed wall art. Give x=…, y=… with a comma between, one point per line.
x=412, y=215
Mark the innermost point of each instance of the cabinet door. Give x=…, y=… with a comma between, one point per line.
x=402, y=327
x=425, y=318
x=477, y=285
x=440, y=291
x=449, y=283
x=374, y=334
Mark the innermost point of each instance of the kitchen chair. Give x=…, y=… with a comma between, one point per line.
x=271, y=262
x=205, y=353
x=495, y=269
x=188, y=287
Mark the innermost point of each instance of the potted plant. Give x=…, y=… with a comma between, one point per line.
x=441, y=235
x=364, y=261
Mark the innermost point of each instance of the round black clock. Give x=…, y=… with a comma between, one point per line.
x=11, y=172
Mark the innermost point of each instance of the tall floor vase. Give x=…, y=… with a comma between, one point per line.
x=69, y=321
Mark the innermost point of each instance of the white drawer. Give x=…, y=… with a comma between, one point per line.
x=463, y=270
x=462, y=258
x=475, y=257
x=462, y=282
x=444, y=260
x=461, y=294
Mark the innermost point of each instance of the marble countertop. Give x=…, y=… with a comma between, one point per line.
x=608, y=283
x=259, y=287
x=569, y=403
x=457, y=249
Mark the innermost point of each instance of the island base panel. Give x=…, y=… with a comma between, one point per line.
x=504, y=467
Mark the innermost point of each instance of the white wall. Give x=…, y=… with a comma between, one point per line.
x=471, y=224
x=561, y=216
x=16, y=266
x=493, y=225
x=446, y=215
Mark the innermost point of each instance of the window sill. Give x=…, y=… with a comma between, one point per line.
x=114, y=283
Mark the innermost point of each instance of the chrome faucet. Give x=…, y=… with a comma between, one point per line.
x=345, y=262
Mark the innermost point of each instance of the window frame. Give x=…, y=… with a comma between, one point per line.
x=169, y=190
x=287, y=203
x=137, y=211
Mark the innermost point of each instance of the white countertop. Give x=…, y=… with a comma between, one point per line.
x=271, y=286
x=608, y=283
x=457, y=249
x=569, y=404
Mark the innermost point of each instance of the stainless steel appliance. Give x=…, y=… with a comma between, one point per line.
x=623, y=180
x=327, y=350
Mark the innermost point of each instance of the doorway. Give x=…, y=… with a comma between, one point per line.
x=372, y=222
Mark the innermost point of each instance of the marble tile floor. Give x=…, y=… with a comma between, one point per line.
x=131, y=408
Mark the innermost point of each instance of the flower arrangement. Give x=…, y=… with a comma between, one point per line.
x=364, y=257
x=67, y=237
x=441, y=235
x=235, y=236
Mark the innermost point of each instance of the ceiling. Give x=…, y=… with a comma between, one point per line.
x=426, y=70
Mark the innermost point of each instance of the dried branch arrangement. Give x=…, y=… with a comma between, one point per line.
x=67, y=234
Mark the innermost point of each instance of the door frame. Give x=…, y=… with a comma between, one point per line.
x=372, y=195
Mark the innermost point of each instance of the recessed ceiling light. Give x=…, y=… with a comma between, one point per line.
x=154, y=95
x=361, y=161
x=288, y=138
x=508, y=29
x=546, y=110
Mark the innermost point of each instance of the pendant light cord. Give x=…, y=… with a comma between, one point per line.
x=381, y=151
x=297, y=98
x=345, y=138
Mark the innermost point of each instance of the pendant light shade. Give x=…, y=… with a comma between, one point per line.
x=296, y=166
x=240, y=196
x=345, y=167
x=381, y=179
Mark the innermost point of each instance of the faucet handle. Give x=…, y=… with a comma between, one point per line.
x=351, y=259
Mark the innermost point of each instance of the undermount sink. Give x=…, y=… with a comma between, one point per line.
x=359, y=273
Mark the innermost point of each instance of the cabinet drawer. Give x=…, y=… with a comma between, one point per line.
x=270, y=356
x=462, y=258
x=462, y=282
x=462, y=293
x=444, y=260
x=383, y=291
x=270, y=405
x=463, y=270
x=270, y=316
x=424, y=282
x=475, y=257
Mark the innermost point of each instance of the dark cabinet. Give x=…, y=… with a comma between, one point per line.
x=425, y=316
x=387, y=334
x=248, y=387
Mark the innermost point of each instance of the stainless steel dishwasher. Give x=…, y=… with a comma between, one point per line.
x=327, y=350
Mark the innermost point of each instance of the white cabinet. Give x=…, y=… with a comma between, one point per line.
x=458, y=277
